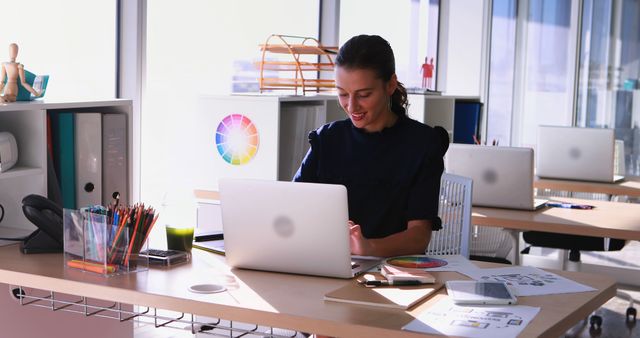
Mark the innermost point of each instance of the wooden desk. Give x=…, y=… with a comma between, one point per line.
x=608, y=219
x=629, y=187
x=274, y=299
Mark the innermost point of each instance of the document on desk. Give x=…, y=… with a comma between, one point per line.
x=529, y=281
x=446, y=318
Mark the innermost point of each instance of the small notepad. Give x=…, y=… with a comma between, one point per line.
x=400, y=297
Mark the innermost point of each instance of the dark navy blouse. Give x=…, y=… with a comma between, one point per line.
x=392, y=176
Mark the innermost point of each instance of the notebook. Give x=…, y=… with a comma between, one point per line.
x=585, y=154
x=288, y=227
x=398, y=297
x=502, y=176
x=214, y=246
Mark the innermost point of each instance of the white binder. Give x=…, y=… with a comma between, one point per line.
x=114, y=158
x=88, y=159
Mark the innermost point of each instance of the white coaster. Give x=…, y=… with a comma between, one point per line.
x=207, y=288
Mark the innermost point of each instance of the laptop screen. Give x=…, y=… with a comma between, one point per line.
x=575, y=153
x=502, y=176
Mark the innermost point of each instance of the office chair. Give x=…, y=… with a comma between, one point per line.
x=455, y=212
x=571, y=243
x=490, y=244
x=576, y=243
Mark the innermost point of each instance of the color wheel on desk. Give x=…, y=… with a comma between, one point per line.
x=237, y=139
x=415, y=262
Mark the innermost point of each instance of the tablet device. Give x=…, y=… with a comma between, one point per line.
x=480, y=292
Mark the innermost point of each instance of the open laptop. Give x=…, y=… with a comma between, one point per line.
x=585, y=154
x=288, y=227
x=502, y=176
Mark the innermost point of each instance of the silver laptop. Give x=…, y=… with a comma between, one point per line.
x=585, y=154
x=288, y=227
x=502, y=176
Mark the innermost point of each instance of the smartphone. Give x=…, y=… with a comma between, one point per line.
x=165, y=258
x=480, y=292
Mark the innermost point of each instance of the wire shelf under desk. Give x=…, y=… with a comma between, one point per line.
x=125, y=312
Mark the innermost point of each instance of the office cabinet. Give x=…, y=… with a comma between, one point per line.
x=257, y=136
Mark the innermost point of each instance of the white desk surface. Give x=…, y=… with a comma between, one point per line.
x=274, y=299
x=608, y=219
x=630, y=186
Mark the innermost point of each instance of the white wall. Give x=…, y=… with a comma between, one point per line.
x=460, y=52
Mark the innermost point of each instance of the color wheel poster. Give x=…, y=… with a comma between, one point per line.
x=236, y=139
x=433, y=263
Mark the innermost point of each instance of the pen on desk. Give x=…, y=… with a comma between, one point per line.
x=395, y=283
x=570, y=206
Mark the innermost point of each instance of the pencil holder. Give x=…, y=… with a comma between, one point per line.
x=92, y=244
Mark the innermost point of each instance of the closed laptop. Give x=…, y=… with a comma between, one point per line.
x=573, y=153
x=502, y=176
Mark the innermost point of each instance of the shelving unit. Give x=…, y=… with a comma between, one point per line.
x=301, y=69
x=437, y=110
x=27, y=121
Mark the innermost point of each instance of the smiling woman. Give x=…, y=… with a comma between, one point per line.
x=391, y=165
x=365, y=98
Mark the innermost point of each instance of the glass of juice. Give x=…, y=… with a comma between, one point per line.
x=179, y=238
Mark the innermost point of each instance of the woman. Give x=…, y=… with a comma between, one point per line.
x=391, y=165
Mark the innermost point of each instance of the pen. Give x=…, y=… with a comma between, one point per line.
x=397, y=283
x=570, y=206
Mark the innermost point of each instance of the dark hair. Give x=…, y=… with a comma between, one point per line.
x=375, y=53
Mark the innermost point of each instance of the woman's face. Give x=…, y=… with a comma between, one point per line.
x=365, y=98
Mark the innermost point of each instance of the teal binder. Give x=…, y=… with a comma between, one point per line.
x=66, y=158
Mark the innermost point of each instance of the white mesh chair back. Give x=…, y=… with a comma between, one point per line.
x=455, y=212
x=490, y=242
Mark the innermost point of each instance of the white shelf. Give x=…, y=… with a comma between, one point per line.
x=21, y=171
x=27, y=121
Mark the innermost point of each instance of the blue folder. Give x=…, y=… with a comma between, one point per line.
x=466, y=122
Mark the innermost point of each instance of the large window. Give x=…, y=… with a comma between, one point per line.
x=546, y=89
x=410, y=26
x=501, y=71
x=532, y=70
x=203, y=48
x=78, y=52
x=609, y=72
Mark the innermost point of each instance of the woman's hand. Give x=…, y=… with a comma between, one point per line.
x=359, y=245
x=412, y=241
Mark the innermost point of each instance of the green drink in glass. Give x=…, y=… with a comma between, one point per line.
x=179, y=238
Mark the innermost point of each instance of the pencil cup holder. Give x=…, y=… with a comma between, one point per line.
x=91, y=244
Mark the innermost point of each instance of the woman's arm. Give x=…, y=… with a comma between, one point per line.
x=412, y=241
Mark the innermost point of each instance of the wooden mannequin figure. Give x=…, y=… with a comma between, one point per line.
x=11, y=71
